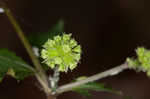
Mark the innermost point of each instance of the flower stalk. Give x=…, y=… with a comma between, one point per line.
x=54, y=80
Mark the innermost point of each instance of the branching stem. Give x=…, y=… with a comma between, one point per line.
x=41, y=76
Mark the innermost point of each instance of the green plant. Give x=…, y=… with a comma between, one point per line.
x=60, y=53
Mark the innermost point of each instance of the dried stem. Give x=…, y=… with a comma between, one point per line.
x=110, y=72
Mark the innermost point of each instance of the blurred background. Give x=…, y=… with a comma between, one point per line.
x=108, y=30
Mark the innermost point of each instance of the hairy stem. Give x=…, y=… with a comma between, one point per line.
x=41, y=76
x=110, y=72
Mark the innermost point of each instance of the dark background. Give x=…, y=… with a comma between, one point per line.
x=108, y=30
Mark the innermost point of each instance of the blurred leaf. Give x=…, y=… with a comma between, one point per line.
x=83, y=92
x=12, y=65
x=93, y=86
x=39, y=39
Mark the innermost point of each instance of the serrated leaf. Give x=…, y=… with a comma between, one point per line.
x=93, y=86
x=12, y=65
x=39, y=39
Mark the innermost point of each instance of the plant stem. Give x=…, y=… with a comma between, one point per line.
x=110, y=72
x=41, y=76
x=54, y=80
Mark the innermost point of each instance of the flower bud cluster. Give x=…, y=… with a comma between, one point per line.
x=142, y=63
x=61, y=51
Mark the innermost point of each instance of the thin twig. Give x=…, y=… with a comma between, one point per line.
x=110, y=72
x=41, y=76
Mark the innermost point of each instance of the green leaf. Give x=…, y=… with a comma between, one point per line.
x=83, y=92
x=39, y=39
x=93, y=86
x=12, y=65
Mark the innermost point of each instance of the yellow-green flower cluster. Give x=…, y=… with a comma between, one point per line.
x=61, y=51
x=142, y=63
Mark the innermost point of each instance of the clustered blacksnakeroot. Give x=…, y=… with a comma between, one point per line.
x=62, y=51
x=142, y=62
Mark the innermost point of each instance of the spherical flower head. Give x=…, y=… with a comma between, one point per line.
x=142, y=63
x=61, y=51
